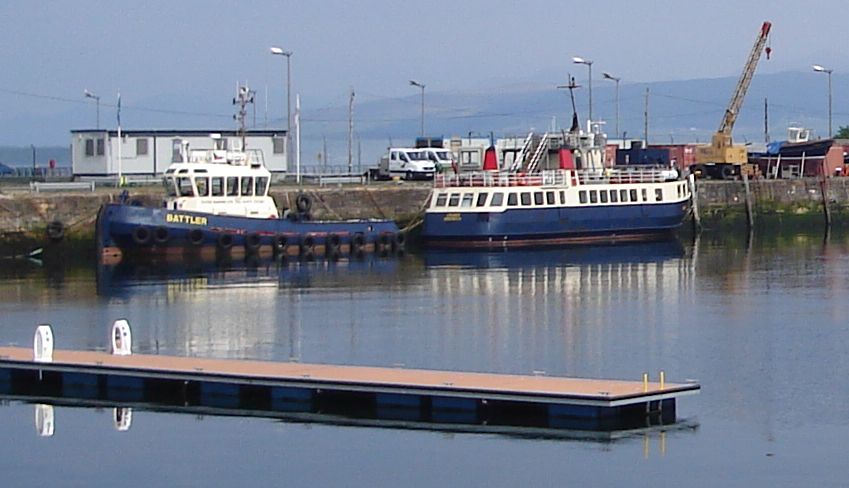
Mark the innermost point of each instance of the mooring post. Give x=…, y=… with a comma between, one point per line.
x=750, y=218
x=824, y=191
x=694, y=199
x=645, y=382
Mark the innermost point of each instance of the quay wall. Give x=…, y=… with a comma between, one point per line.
x=24, y=216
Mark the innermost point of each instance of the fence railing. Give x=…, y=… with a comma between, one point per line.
x=615, y=175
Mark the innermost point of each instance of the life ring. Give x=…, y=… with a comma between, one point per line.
x=196, y=237
x=55, y=231
x=161, y=235
x=225, y=241
x=141, y=235
x=281, y=244
x=303, y=203
x=252, y=242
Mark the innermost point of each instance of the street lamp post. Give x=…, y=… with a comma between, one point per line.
x=608, y=76
x=96, y=98
x=279, y=51
x=589, y=63
x=422, y=86
x=827, y=71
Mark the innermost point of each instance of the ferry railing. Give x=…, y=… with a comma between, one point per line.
x=614, y=175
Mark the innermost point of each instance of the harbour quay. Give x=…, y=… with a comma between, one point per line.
x=31, y=219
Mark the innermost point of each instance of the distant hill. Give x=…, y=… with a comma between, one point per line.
x=22, y=156
x=679, y=111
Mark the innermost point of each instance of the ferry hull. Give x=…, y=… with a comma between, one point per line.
x=127, y=229
x=553, y=226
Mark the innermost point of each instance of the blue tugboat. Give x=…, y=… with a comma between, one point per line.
x=217, y=200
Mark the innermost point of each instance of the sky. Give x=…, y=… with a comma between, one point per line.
x=173, y=56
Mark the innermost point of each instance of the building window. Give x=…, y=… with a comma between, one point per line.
x=100, y=147
x=582, y=196
x=512, y=200
x=279, y=144
x=482, y=199
x=441, y=199
x=526, y=198
x=658, y=194
x=89, y=147
x=141, y=146
x=497, y=199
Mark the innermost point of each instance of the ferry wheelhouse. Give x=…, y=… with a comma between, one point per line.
x=493, y=209
x=218, y=199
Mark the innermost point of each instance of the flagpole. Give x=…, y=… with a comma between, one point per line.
x=298, y=136
x=120, y=161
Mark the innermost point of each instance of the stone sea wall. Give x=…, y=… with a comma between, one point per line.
x=24, y=216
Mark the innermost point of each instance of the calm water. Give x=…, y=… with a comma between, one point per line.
x=762, y=325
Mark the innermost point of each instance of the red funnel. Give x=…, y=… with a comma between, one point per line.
x=490, y=162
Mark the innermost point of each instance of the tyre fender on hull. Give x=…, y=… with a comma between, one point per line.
x=225, y=241
x=141, y=235
x=161, y=235
x=196, y=237
x=252, y=242
x=55, y=231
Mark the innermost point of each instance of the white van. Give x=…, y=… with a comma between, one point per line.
x=409, y=163
x=441, y=158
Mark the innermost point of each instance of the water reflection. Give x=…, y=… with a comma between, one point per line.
x=48, y=414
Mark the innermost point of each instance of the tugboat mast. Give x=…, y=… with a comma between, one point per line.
x=244, y=96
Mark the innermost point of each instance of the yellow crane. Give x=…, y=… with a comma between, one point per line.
x=722, y=158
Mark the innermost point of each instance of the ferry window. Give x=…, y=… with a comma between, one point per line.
x=562, y=197
x=633, y=195
x=441, y=199
x=538, y=199
x=645, y=195
x=467, y=200
x=593, y=196
x=582, y=196
x=232, y=186
x=247, y=187
x=184, y=185
x=100, y=147
x=261, y=186
x=203, y=186
x=89, y=147
x=658, y=194
x=614, y=197
x=497, y=199
x=141, y=146
x=623, y=195
x=170, y=189
x=526, y=198
x=482, y=199
x=512, y=200
x=454, y=200
x=549, y=197
x=603, y=196
x=217, y=186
